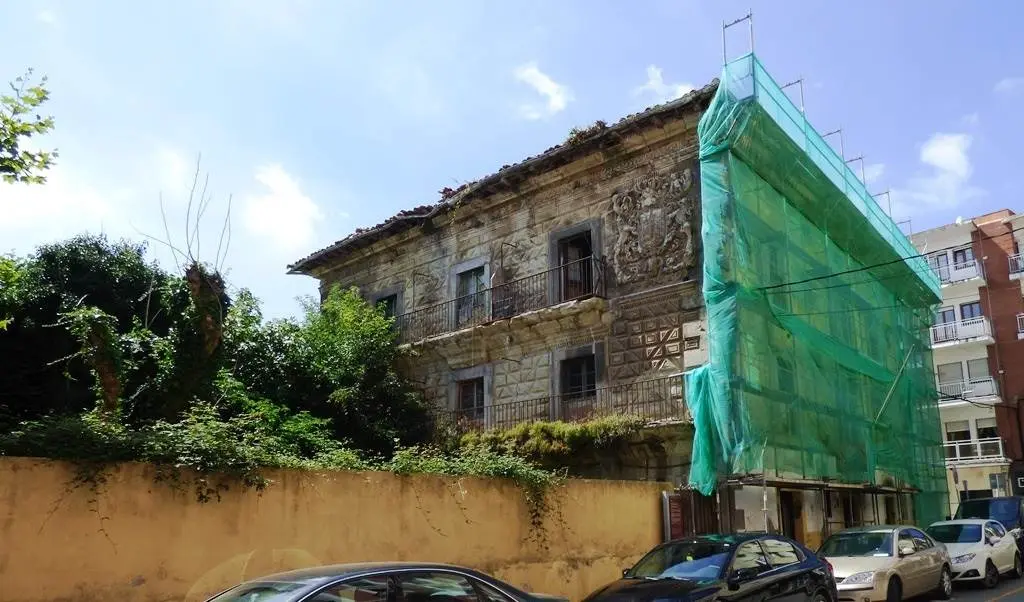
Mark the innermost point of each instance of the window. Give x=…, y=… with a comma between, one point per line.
x=921, y=541
x=576, y=271
x=978, y=368
x=970, y=310
x=435, y=587
x=945, y=316
x=750, y=556
x=780, y=553
x=490, y=594
x=986, y=428
x=365, y=589
x=470, y=292
x=906, y=540
x=962, y=256
x=471, y=398
x=784, y=370
x=940, y=263
x=579, y=376
x=958, y=430
x=950, y=373
x=389, y=305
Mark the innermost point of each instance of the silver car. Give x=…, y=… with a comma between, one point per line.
x=887, y=562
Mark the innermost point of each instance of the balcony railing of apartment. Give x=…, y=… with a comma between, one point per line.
x=653, y=400
x=569, y=282
x=961, y=330
x=975, y=387
x=958, y=272
x=1017, y=266
x=974, y=451
x=1020, y=326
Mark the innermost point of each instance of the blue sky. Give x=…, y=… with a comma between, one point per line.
x=320, y=117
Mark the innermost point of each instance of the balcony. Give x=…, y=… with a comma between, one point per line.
x=975, y=451
x=573, y=281
x=958, y=272
x=971, y=330
x=1020, y=326
x=974, y=388
x=653, y=400
x=1017, y=266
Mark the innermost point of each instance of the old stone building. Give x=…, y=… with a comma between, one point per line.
x=560, y=287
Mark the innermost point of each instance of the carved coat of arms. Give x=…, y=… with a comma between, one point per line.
x=654, y=220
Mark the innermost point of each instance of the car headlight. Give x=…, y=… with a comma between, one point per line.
x=865, y=577
x=964, y=558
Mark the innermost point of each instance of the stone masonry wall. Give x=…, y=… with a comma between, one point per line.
x=642, y=205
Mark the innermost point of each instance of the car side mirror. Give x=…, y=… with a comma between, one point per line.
x=739, y=576
x=906, y=550
x=625, y=572
x=993, y=540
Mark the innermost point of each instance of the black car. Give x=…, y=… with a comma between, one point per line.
x=379, y=582
x=744, y=566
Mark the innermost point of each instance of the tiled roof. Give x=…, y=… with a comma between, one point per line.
x=582, y=143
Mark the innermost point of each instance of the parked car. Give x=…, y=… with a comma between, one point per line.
x=980, y=549
x=1008, y=510
x=745, y=566
x=887, y=563
x=379, y=582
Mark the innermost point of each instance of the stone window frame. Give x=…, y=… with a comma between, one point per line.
x=483, y=261
x=593, y=225
x=398, y=291
x=485, y=371
x=597, y=349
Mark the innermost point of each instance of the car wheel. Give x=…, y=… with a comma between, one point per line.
x=991, y=578
x=820, y=597
x=894, y=593
x=1018, y=569
x=945, y=589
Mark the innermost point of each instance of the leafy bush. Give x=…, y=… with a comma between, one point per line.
x=553, y=442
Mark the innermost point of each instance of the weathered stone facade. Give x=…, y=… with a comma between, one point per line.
x=636, y=199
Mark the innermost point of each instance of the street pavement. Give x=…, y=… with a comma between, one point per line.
x=1009, y=590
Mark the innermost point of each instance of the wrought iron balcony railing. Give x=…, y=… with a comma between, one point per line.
x=1017, y=266
x=653, y=400
x=569, y=282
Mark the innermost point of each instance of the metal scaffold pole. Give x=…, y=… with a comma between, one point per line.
x=749, y=18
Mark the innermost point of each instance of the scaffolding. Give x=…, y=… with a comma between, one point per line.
x=818, y=308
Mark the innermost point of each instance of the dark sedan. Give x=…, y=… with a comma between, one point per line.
x=743, y=566
x=379, y=582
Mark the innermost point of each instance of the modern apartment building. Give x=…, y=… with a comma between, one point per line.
x=978, y=350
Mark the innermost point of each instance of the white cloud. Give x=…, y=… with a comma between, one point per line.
x=658, y=90
x=1008, y=85
x=282, y=215
x=556, y=95
x=946, y=181
x=873, y=172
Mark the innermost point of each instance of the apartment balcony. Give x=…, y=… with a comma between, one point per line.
x=653, y=400
x=972, y=389
x=1017, y=266
x=573, y=281
x=975, y=451
x=961, y=332
x=1020, y=326
x=958, y=272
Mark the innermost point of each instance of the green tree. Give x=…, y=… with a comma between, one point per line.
x=20, y=121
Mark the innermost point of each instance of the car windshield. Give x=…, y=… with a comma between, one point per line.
x=683, y=560
x=1002, y=510
x=264, y=591
x=858, y=543
x=955, y=533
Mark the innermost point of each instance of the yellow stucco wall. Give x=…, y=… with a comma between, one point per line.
x=139, y=541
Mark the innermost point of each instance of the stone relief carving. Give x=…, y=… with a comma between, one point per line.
x=654, y=218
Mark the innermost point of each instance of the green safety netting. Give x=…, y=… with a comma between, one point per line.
x=808, y=377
